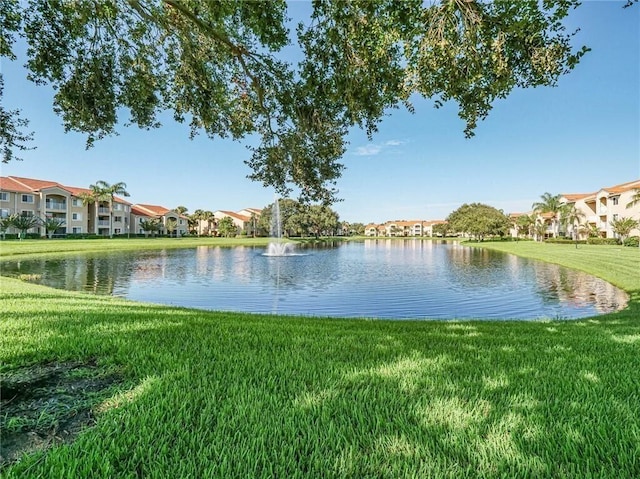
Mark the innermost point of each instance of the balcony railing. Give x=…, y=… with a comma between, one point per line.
x=104, y=222
x=103, y=211
x=56, y=205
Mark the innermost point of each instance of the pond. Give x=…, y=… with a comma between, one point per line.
x=396, y=279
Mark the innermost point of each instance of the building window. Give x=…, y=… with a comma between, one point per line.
x=76, y=216
x=4, y=213
x=76, y=202
x=117, y=219
x=615, y=217
x=614, y=200
x=27, y=199
x=26, y=213
x=4, y=196
x=76, y=229
x=117, y=231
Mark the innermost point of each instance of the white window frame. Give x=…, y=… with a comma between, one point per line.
x=76, y=202
x=4, y=196
x=76, y=216
x=76, y=230
x=23, y=196
x=4, y=213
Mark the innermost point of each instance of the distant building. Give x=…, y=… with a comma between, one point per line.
x=402, y=228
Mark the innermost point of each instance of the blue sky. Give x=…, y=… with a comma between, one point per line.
x=577, y=137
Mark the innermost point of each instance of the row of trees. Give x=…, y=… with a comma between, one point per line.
x=25, y=223
x=297, y=219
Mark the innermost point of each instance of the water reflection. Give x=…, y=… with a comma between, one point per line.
x=556, y=284
x=108, y=275
x=375, y=278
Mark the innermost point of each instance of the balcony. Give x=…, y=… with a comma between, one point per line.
x=104, y=223
x=56, y=205
x=602, y=210
x=103, y=211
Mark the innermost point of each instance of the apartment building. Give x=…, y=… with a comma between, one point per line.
x=239, y=220
x=604, y=206
x=49, y=199
x=171, y=222
x=402, y=228
x=599, y=209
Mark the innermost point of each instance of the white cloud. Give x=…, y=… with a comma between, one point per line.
x=374, y=149
x=368, y=150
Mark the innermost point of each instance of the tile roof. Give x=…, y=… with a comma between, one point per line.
x=18, y=183
x=573, y=197
x=234, y=215
x=150, y=210
x=9, y=184
x=35, y=184
x=631, y=185
x=256, y=211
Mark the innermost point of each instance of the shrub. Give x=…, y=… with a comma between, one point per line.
x=603, y=241
x=564, y=241
x=632, y=241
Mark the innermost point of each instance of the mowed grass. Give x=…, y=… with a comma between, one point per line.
x=29, y=248
x=233, y=395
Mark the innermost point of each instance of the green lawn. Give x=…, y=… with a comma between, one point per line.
x=233, y=395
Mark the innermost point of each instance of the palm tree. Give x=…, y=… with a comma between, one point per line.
x=572, y=216
x=623, y=226
x=635, y=199
x=95, y=196
x=103, y=192
x=24, y=223
x=171, y=225
x=52, y=224
x=525, y=222
x=181, y=210
x=549, y=204
x=209, y=218
x=592, y=230
x=5, y=222
x=110, y=191
x=539, y=230
x=150, y=226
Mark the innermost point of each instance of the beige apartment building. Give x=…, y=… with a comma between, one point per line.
x=402, y=228
x=49, y=199
x=604, y=206
x=599, y=209
x=168, y=219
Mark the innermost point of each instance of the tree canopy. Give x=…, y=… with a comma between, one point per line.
x=478, y=220
x=301, y=219
x=226, y=68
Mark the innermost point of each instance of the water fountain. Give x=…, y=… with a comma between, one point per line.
x=278, y=247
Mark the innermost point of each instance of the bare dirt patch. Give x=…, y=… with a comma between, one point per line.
x=48, y=404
